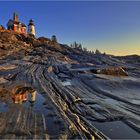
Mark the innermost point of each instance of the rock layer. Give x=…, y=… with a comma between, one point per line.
x=88, y=97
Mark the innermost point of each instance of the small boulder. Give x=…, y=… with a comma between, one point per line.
x=116, y=71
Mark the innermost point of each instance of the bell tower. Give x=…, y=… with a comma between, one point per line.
x=31, y=28
x=15, y=16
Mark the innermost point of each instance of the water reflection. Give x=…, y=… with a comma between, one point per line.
x=19, y=98
x=22, y=94
x=32, y=96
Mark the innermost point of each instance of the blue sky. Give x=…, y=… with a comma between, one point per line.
x=113, y=27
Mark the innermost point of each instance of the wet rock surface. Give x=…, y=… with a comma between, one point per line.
x=73, y=96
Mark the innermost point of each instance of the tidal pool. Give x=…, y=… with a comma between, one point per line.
x=3, y=107
x=66, y=83
x=117, y=130
x=23, y=96
x=29, y=98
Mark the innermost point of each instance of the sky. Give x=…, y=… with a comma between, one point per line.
x=110, y=26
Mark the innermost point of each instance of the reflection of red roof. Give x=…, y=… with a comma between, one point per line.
x=19, y=98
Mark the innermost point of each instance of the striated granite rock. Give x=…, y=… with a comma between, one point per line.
x=74, y=89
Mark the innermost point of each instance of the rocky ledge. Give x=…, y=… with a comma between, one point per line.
x=78, y=89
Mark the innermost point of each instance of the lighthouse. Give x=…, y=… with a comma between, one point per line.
x=31, y=28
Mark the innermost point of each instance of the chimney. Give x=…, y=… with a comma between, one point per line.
x=15, y=16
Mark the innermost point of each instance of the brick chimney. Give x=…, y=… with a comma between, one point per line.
x=15, y=16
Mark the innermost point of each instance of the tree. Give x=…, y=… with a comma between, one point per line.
x=92, y=52
x=80, y=47
x=76, y=45
x=2, y=27
x=97, y=51
x=85, y=49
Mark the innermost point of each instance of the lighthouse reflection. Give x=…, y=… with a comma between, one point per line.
x=23, y=94
x=32, y=98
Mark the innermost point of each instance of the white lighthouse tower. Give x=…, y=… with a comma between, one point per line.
x=31, y=28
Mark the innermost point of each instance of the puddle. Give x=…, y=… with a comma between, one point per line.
x=117, y=130
x=25, y=96
x=35, y=101
x=3, y=107
x=29, y=98
x=66, y=83
x=81, y=69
